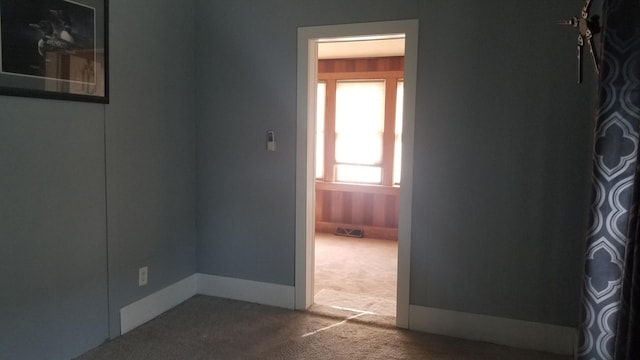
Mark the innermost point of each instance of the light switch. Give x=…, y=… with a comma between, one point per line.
x=271, y=141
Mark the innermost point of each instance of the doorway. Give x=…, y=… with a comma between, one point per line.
x=358, y=177
x=308, y=39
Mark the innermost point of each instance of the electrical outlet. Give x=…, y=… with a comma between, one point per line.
x=143, y=276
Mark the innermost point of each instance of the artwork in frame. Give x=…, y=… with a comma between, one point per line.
x=54, y=49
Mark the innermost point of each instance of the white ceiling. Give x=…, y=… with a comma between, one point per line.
x=361, y=48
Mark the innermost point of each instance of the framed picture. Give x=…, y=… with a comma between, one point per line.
x=54, y=49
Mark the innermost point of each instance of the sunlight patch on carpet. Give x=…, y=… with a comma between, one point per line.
x=356, y=302
x=338, y=323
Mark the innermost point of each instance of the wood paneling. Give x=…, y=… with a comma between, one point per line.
x=369, y=231
x=358, y=206
x=335, y=199
x=393, y=63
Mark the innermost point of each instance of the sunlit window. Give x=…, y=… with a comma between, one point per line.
x=359, y=130
x=358, y=173
x=320, y=119
x=359, y=122
x=397, y=152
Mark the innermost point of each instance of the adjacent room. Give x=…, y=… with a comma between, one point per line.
x=357, y=171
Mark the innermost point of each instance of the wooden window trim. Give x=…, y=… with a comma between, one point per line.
x=391, y=79
x=353, y=187
x=330, y=131
x=361, y=75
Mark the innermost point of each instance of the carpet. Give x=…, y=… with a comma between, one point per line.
x=359, y=273
x=362, y=303
x=214, y=328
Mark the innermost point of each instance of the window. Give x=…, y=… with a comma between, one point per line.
x=360, y=139
x=359, y=130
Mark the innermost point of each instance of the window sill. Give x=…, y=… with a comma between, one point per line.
x=363, y=188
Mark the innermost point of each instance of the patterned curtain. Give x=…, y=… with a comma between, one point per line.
x=610, y=317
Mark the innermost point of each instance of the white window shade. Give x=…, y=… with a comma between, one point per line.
x=359, y=130
x=359, y=173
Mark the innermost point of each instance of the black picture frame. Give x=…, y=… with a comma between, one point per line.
x=55, y=49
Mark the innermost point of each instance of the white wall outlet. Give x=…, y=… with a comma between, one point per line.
x=143, y=276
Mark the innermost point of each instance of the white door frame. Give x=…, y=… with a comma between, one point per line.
x=305, y=153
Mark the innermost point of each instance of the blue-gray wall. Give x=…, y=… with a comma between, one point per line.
x=53, y=261
x=502, y=156
x=246, y=64
x=150, y=148
x=77, y=221
x=503, y=147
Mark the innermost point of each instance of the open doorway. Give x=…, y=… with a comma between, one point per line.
x=308, y=39
x=358, y=171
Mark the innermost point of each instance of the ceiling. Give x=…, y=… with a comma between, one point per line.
x=362, y=48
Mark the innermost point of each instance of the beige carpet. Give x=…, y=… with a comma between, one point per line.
x=356, y=273
x=349, y=275
x=204, y=328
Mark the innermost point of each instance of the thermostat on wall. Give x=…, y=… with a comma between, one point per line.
x=271, y=141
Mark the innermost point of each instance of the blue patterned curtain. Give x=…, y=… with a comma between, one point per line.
x=610, y=321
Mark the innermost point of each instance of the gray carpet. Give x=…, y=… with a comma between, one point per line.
x=213, y=328
x=357, y=273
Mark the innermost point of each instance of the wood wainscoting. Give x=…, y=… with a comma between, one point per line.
x=373, y=208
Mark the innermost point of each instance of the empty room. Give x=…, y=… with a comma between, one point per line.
x=195, y=179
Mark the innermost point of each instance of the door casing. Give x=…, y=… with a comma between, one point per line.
x=308, y=37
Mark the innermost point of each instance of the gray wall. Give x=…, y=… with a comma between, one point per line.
x=150, y=148
x=502, y=158
x=57, y=198
x=246, y=65
x=53, y=262
x=503, y=148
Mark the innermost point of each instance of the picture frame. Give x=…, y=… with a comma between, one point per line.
x=55, y=49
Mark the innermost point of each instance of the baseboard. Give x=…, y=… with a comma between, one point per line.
x=510, y=332
x=375, y=232
x=147, y=308
x=246, y=290
x=503, y=331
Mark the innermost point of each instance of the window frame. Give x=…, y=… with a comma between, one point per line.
x=391, y=79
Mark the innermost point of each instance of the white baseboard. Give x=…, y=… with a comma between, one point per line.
x=503, y=331
x=246, y=290
x=510, y=332
x=147, y=308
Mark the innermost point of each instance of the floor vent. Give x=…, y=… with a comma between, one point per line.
x=349, y=232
